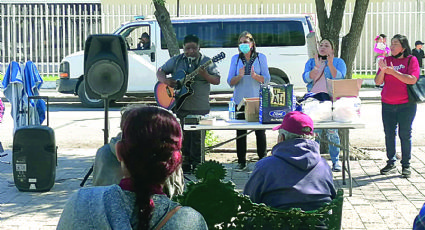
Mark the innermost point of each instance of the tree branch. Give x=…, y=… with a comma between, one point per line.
x=322, y=17
x=335, y=22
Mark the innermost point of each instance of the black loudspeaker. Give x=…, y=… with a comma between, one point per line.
x=34, y=158
x=105, y=66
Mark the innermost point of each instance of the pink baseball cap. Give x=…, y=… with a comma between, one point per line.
x=297, y=122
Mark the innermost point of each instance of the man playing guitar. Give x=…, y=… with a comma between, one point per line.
x=198, y=102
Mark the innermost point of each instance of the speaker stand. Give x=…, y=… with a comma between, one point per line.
x=105, y=137
x=106, y=130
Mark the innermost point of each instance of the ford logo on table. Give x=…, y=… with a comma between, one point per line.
x=277, y=113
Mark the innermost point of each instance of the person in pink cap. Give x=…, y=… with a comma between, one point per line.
x=295, y=175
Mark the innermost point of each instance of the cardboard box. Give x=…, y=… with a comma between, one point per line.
x=275, y=102
x=344, y=88
x=252, y=108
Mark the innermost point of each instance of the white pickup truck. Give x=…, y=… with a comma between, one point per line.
x=282, y=38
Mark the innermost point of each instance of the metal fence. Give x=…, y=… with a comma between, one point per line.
x=47, y=32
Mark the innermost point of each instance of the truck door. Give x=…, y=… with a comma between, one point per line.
x=141, y=58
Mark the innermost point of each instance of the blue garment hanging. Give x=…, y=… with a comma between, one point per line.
x=13, y=85
x=32, y=84
x=18, y=86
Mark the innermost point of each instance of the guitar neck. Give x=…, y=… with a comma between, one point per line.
x=192, y=75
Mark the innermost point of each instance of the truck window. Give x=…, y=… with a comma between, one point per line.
x=225, y=34
x=132, y=36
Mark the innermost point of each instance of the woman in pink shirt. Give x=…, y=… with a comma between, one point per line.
x=396, y=72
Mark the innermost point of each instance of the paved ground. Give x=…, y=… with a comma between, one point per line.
x=378, y=202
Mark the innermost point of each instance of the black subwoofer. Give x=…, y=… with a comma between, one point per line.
x=34, y=158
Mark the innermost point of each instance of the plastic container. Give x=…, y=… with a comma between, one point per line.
x=232, y=109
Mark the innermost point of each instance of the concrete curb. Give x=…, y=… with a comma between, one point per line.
x=48, y=85
x=49, y=89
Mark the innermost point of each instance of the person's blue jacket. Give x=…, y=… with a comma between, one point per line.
x=341, y=71
x=419, y=223
x=295, y=176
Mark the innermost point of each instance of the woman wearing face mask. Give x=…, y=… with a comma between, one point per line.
x=325, y=66
x=397, y=71
x=248, y=70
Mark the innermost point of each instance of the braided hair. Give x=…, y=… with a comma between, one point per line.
x=150, y=148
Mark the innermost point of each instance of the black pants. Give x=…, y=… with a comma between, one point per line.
x=241, y=144
x=191, y=146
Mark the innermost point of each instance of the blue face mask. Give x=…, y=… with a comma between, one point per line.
x=244, y=48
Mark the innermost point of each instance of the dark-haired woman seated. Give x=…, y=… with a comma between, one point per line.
x=149, y=152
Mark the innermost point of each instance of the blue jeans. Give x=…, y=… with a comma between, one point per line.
x=401, y=115
x=333, y=137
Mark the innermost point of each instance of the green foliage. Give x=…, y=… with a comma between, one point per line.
x=211, y=139
x=225, y=208
x=50, y=77
x=363, y=76
x=45, y=78
x=368, y=86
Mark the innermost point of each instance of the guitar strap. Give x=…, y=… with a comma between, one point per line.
x=191, y=66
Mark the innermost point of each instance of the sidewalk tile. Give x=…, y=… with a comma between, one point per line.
x=378, y=201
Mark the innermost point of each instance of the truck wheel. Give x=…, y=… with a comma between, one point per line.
x=278, y=77
x=85, y=100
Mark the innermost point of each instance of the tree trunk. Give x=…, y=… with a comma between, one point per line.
x=163, y=18
x=322, y=17
x=330, y=27
x=350, y=42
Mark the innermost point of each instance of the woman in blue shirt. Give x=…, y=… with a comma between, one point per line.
x=248, y=70
x=325, y=66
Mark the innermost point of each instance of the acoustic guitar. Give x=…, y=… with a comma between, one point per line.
x=173, y=98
